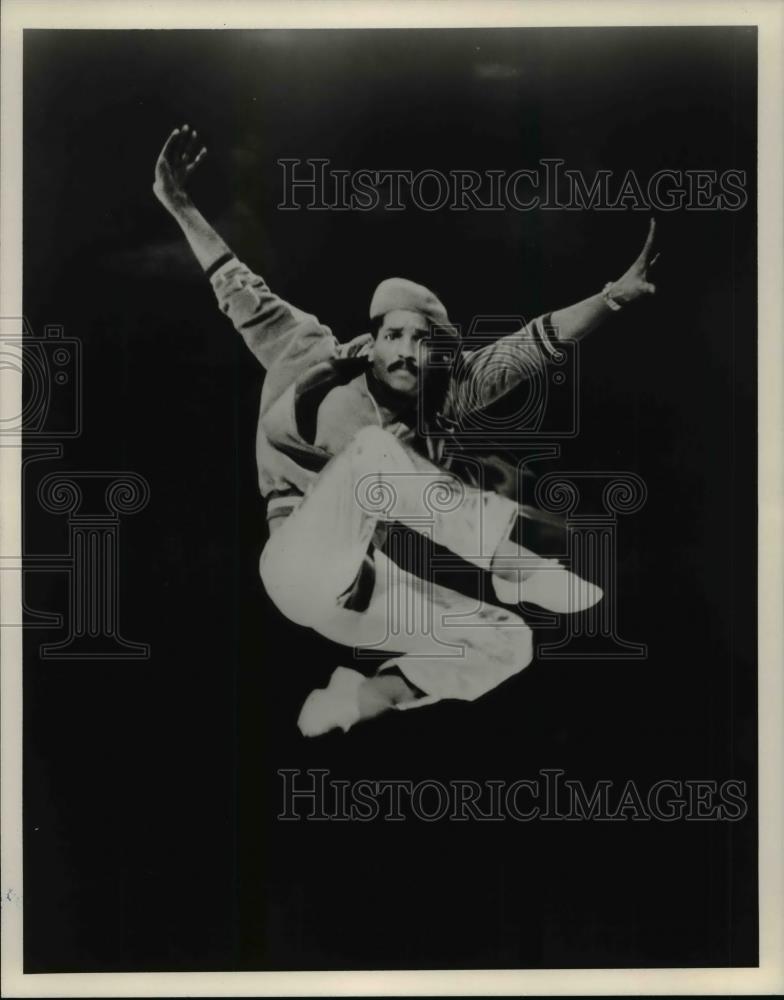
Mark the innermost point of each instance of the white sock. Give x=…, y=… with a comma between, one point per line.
x=334, y=707
x=550, y=586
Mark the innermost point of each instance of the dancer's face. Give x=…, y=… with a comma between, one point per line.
x=400, y=353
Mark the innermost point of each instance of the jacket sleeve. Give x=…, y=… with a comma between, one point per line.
x=486, y=375
x=275, y=331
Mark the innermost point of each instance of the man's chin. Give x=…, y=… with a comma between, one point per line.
x=403, y=382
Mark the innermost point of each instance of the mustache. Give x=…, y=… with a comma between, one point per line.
x=407, y=363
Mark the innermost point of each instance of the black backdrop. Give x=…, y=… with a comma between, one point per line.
x=151, y=841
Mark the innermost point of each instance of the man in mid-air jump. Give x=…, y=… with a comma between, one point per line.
x=351, y=437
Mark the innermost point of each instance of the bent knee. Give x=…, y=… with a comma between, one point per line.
x=286, y=588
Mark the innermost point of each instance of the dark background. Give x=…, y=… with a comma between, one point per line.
x=151, y=793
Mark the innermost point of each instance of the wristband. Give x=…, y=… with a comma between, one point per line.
x=611, y=302
x=216, y=265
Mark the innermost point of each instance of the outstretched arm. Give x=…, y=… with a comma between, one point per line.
x=489, y=373
x=180, y=156
x=576, y=321
x=275, y=331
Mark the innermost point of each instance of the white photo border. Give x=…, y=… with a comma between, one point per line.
x=768, y=16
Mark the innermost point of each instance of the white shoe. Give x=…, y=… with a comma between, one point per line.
x=334, y=707
x=552, y=587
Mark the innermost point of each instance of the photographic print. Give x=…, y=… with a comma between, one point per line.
x=387, y=463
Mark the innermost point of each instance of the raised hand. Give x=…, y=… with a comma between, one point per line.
x=181, y=154
x=634, y=283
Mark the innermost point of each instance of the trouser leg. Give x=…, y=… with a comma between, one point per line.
x=312, y=560
x=446, y=644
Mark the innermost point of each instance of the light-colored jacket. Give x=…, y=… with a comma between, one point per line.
x=316, y=393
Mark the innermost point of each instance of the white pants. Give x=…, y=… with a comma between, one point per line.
x=451, y=646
